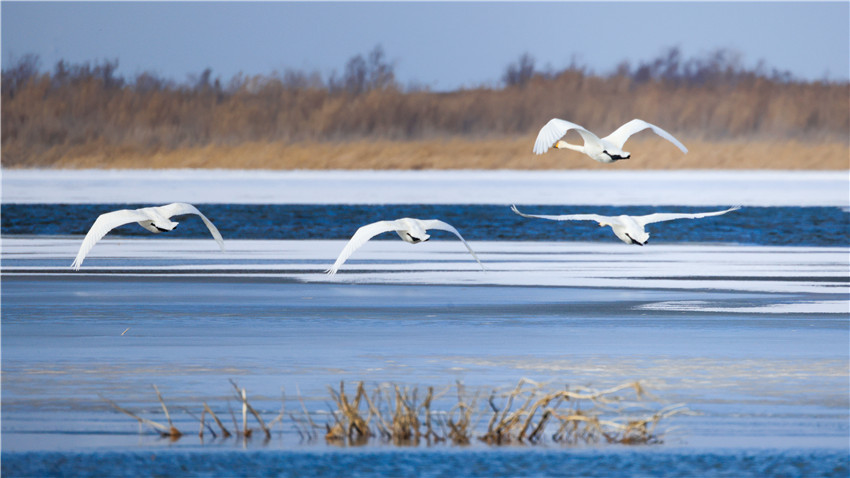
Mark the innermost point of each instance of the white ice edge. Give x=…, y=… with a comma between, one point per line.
x=804, y=307
x=791, y=270
x=573, y=187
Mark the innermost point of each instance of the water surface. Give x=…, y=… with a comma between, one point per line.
x=802, y=226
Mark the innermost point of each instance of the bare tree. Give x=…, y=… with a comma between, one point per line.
x=518, y=73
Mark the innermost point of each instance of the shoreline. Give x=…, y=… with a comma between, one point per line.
x=648, y=153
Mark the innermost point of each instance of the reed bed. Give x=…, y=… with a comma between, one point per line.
x=84, y=115
x=648, y=153
x=530, y=413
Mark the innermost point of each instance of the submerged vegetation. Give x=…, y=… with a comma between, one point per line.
x=530, y=413
x=88, y=111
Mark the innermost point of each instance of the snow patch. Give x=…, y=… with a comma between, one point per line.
x=678, y=188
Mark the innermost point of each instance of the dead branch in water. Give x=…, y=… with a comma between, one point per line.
x=172, y=431
x=246, y=407
x=203, y=421
x=224, y=430
x=162, y=429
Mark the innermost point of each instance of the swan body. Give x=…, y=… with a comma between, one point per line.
x=408, y=229
x=604, y=150
x=154, y=219
x=629, y=229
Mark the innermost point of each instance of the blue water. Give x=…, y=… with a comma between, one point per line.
x=562, y=462
x=775, y=226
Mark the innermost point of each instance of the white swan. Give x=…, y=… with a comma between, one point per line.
x=154, y=219
x=605, y=150
x=630, y=229
x=408, y=229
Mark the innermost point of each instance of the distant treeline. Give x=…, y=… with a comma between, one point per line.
x=79, y=108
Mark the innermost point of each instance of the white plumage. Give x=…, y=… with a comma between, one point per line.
x=154, y=219
x=605, y=150
x=630, y=229
x=408, y=229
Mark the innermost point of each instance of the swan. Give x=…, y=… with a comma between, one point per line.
x=408, y=229
x=154, y=219
x=605, y=150
x=630, y=229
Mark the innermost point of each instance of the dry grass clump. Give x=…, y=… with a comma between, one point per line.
x=530, y=413
x=394, y=411
x=173, y=433
x=577, y=415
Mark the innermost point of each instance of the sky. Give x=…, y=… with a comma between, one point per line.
x=440, y=45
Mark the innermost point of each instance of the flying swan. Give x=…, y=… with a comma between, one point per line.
x=630, y=229
x=408, y=229
x=605, y=150
x=154, y=219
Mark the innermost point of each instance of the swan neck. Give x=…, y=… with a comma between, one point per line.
x=565, y=145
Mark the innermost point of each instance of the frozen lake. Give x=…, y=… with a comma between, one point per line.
x=752, y=338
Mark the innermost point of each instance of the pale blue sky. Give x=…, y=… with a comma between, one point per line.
x=441, y=45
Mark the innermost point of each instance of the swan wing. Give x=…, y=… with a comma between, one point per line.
x=361, y=237
x=102, y=225
x=182, y=208
x=554, y=130
x=444, y=226
x=662, y=216
x=623, y=133
x=570, y=217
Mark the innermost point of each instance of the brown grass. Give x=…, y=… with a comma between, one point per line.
x=530, y=413
x=647, y=153
x=728, y=118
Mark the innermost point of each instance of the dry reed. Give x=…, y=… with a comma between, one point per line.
x=530, y=413
x=648, y=153
x=90, y=118
x=163, y=430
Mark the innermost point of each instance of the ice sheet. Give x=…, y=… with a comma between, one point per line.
x=787, y=270
x=683, y=188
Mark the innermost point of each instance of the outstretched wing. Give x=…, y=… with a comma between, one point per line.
x=443, y=226
x=361, y=237
x=571, y=217
x=181, y=208
x=661, y=216
x=623, y=133
x=102, y=225
x=554, y=130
